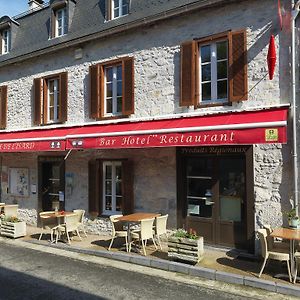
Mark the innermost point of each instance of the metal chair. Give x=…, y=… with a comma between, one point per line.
x=274, y=254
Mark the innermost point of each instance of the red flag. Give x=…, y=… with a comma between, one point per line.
x=279, y=14
x=271, y=58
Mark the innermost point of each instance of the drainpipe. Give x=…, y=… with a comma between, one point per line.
x=294, y=14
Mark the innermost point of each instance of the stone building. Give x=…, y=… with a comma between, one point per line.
x=156, y=106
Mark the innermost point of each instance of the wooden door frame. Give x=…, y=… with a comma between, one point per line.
x=247, y=151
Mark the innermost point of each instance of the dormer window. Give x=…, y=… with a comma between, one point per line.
x=116, y=9
x=119, y=8
x=6, y=41
x=61, y=22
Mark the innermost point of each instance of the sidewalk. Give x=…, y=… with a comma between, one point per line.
x=218, y=264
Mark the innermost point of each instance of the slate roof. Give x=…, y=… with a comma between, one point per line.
x=89, y=18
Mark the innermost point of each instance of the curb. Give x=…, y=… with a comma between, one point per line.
x=178, y=267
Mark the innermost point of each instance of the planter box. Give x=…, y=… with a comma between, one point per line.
x=13, y=230
x=185, y=249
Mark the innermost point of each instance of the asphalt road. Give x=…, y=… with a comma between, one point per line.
x=30, y=274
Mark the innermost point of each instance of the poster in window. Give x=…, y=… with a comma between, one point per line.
x=19, y=181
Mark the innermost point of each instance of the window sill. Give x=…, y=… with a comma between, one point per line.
x=113, y=117
x=200, y=105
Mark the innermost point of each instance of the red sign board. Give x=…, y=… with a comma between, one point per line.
x=33, y=146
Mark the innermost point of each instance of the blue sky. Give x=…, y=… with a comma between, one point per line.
x=13, y=7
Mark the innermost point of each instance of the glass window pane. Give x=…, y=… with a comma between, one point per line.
x=222, y=50
x=119, y=172
x=206, y=91
x=118, y=203
x=108, y=105
x=116, y=3
x=108, y=203
x=51, y=113
x=206, y=72
x=51, y=100
x=205, y=54
x=199, y=167
x=119, y=72
x=109, y=90
x=222, y=69
x=119, y=88
x=119, y=188
x=222, y=89
x=119, y=104
x=51, y=86
x=108, y=172
x=109, y=74
x=116, y=13
x=108, y=187
x=125, y=10
x=57, y=112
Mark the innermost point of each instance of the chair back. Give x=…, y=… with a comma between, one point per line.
x=161, y=224
x=262, y=234
x=47, y=222
x=11, y=210
x=147, y=229
x=81, y=212
x=270, y=239
x=116, y=225
x=72, y=222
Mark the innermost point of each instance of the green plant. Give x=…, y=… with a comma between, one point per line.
x=11, y=219
x=292, y=214
x=182, y=233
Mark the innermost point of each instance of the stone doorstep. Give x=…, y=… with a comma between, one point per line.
x=187, y=269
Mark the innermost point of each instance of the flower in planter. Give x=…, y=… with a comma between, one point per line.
x=12, y=219
x=182, y=233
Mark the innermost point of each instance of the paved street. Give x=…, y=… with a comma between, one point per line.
x=27, y=273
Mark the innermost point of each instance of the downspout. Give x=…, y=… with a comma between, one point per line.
x=294, y=14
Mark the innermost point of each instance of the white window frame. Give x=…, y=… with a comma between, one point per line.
x=120, y=9
x=113, y=165
x=114, y=91
x=61, y=22
x=214, y=80
x=55, y=92
x=6, y=40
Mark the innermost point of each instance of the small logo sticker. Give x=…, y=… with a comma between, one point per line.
x=271, y=135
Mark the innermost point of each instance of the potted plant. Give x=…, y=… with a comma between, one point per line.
x=293, y=218
x=12, y=227
x=185, y=246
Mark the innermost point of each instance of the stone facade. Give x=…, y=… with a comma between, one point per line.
x=156, y=52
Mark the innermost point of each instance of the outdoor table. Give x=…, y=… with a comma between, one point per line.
x=135, y=218
x=288, y=234
x=57, y=214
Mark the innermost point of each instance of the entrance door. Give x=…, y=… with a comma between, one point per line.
x=215, y=199
x=52, y=185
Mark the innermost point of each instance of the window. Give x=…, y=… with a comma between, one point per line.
x=50, y=99
x=6, y=41
x=112, y=183
x=52, y=105
x=113, y=90
x=3, y=106
x=110, y=187
x=213, y=60
x=214, y=70
x=119, y=8
x=116, y=98
x=61, y=22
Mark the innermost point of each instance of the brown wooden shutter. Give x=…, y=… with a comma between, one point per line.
x=63, y=96
x=108, y=10
x=188, y=74
x=37, y=91
x=128, y=86
x=238, y=84
x=127, y=187
x=0, y=42
x=95, y=91
x=95, y=184
x=3, y=106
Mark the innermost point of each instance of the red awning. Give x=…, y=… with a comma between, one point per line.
x=247, y=127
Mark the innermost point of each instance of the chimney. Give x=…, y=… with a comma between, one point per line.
x=35, y=4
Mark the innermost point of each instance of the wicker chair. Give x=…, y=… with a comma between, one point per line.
x=160, y=227
x=81, y=212
x=117, y=231
x=48, y=224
